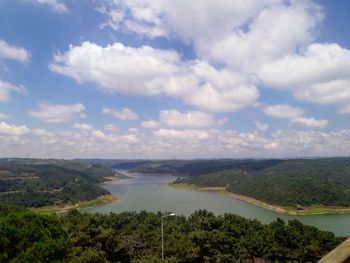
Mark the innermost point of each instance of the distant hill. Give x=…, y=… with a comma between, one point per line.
x=121, y=164
x=290, y=182
x=293, y=183
x=192, y=167
x=41, y=182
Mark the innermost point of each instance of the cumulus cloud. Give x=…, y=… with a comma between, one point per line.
x=6, y=88
x=190, y=20
x=118, y=68
x=12, y=52
x=4, y=116
x=111, y=127
x=150, y=124
x=320, y=74
x=294, y=114
x=283, y=111
x=224, y=30
x=42, y=133
x=13, y=130
x=147, y=71
x=220, y=90
x=310, y=122
x=187, y=119
x=56, y=113
x=279, y=29
x=182, y=134
x=57, y=6
x=90, y=142
x=123, y=114
x=261, y=126
x=83, y=126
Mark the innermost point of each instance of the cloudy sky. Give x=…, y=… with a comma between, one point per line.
x=174, y=79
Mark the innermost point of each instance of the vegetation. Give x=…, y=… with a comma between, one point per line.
x=290, y=183
x=37, y=183
x=135, y=237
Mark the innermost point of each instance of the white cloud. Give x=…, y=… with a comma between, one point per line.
x=13, y=130
x=188, y=119
x=123, y=114
x=42, y=133
x=310, y=122
x=261, y=126
x=56, y=113
x=223, y=121
x=4, y=116
x=99, y=135
x=19, y=140
x=223, y=30
x=320, y=74
x=182, y=134
x=57, y=6
x=279, y=29
x=150, y=124
x=190, y=20
x=293, y=114
x=130, y=138
x=83, y=126
x=111, y=127
x=6, y=88
x=283, y=111
x=147, y=71
x=220, y=90
x=117, y=68
x=13, y=52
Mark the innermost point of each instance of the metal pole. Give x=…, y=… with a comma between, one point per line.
x=162, y=218
x=162, y=239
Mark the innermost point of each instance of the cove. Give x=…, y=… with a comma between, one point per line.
x=151, y=193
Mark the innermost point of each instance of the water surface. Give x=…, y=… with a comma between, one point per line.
x=150, y=193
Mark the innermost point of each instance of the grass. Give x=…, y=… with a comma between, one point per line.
x=105, y=199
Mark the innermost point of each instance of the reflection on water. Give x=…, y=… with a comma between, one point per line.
x=151, y=193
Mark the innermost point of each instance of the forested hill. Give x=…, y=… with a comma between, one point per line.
x=290, y=182
x=37, y=182
x=136, y=237
x=284, y=182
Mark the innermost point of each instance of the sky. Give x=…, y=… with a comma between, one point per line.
x=174, y=79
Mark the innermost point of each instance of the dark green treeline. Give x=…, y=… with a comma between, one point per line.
x=135, y=237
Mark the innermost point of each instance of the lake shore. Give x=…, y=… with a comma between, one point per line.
x=313, y=210
x=102, y=200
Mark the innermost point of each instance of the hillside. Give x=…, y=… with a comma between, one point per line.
x=135, y=237
x=295, y=183
x=36, y=182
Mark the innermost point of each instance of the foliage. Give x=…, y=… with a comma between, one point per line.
x=36, y=182
x=295, y=183
x=135, y=237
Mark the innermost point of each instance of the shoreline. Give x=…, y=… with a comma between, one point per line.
x=101, y=200
x=313, y=210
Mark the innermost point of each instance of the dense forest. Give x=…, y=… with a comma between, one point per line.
x=36, y=182
x=136, y=237
x=294, y=183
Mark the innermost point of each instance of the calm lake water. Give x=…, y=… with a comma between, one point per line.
x=150, y=193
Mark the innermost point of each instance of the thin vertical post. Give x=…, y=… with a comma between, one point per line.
x=162, y=239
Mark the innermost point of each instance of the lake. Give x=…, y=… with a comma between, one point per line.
x=151, y=193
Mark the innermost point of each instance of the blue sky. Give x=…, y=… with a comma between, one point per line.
x=174, y=79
